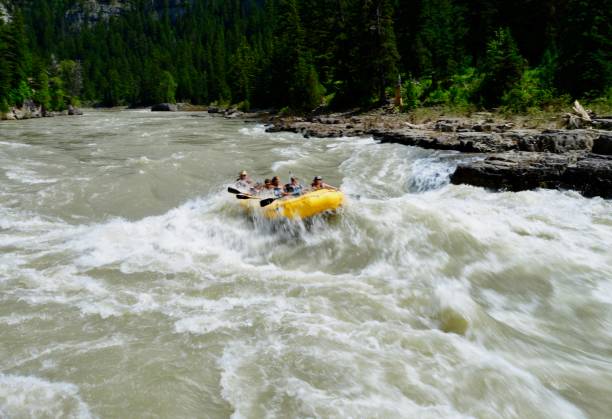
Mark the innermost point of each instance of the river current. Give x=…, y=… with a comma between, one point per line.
x=132, y=284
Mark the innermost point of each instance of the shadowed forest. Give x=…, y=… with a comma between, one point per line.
x=302, y=54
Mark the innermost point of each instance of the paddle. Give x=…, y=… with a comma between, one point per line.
x=240, y=195
x=267, y=201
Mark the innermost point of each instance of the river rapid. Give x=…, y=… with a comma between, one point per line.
x=132, y=284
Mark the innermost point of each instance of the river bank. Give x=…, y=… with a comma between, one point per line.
x=31, y=110
x=515, y=156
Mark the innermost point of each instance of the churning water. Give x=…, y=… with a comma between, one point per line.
x=132, y=285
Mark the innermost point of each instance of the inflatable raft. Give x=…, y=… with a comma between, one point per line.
x=303, y=206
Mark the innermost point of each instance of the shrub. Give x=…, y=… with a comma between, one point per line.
x=412, y=92
x=530, y=92
x=244, y=106
x=21, y=93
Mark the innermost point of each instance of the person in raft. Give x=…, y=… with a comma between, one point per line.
x=317, y=183
x=244, y=181
x=266, y=189
x=293, y=188
x=277, y=188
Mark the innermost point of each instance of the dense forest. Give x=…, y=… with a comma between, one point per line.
x=300, y=54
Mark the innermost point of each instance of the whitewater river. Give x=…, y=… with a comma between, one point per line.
x=132, y=285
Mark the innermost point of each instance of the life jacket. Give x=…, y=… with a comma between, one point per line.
x=297, y=190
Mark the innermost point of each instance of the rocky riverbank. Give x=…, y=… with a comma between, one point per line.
x=514, y=158
x=30, y=110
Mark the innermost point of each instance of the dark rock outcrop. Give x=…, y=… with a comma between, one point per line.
x=518, y=171
x=591, y=175
x=468, y=142
x=515, y=171
x=603, y=123
x=554, y=141
x=603, y=144
x=164, y=107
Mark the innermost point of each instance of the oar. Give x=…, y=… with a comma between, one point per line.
x=267, y=201
x=234, y=191
x=242, y=196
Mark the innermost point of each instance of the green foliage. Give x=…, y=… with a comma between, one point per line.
x=294, y=78
x=463, y=87
x=531, y=91
x=56, y=87
x=291, y=53
x=244, y=106
x=42, y=95
x=167, y=88
x=71, y=74
x=502, y=68
x=4, y=107
x=439, y=42
x=456, y=93
x=21, y=93
x=411, y=94
x=585, y=47
x=367, y=53
x=603, y=104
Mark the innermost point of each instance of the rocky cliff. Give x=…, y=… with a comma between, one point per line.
x=89, y=12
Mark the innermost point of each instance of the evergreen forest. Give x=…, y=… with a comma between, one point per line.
x=303, y=54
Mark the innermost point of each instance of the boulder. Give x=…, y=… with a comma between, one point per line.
x=591, y=175
x=164, y=107
x=603, y=144
x=74, y=111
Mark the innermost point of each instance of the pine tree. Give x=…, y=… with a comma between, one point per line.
x=585, y=48
x=440, y=39
x=6, y=74
x=502, y=69
x=380, y=46
x=294, y=79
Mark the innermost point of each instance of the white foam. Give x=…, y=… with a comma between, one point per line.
x=27, y=396
x=253, y=131
x=27, y=176
x=14, y=144
x=449, y=302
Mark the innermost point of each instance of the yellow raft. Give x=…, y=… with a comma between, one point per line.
x=303, y=206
